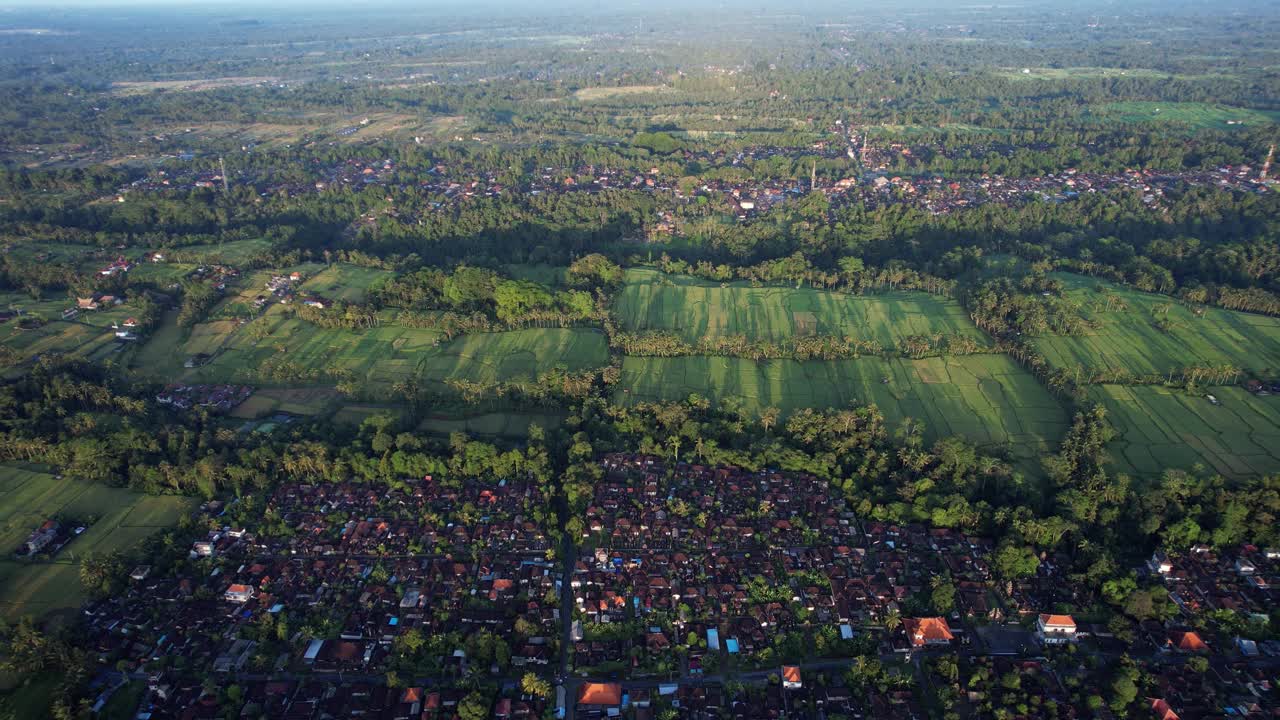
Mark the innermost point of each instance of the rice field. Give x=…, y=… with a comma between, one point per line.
x=1129, y=340
x=498, y=424
x=1194, y=115
x=695, y=309
x=378, y=358
x=987, y=399
x=1159, y=428
x=516, y=355
x=122, y=519
x=349, y=283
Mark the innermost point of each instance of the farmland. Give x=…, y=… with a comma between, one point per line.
x=1193, y=115
x=696, y=309
x=1158, y=428
x=379, y=357
x=349, y=283
x=1128, y=339
x=987, y=399
x=28, y=497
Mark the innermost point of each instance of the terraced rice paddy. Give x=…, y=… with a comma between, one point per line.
x=987, y=399
x=1129, y=339
x=122, y=519
x=1159, y=428
x=696, y=309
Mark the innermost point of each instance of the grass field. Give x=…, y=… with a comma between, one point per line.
x=1159, y=428
x=988, y=399
x=1129, y=339
x=694, y=308
x=350, y=283
x=1192, y=114
x=122, y=519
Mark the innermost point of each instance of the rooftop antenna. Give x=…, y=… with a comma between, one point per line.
x=1266, y=164
x=226, y=187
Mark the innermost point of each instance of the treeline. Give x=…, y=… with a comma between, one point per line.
x=661, y=343
x=475, y=299
x=1031, y=306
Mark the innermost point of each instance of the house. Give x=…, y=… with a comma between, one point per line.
x=1054, y=629
x=928, y=631
x=1162, y=710
x=238, y=593
x=202, y=548
x=1187, y=641
x=791, y=677
x=42, y=536
x=599, y=696
x=1159, y=564
x=140, y=573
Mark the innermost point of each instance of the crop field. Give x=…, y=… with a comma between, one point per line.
x=497, y=424
x=350, y=283
x=516, y=355
x=235, y=252
x=382, y=356
x=987, y=399
x=1129, y=339
x=379, y=356
x=122, y=519
x=74, y=339
x=1159, y=428
x=694, y=308
x=295, y=401
x=1192, y=114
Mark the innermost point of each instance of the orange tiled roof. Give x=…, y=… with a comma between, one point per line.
x=929, y=629
x=600, y=694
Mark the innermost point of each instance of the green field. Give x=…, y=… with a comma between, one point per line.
x=517, y=355
x=122, y=519
x=341, y=281
x=988, y=399
x=1192, y=114
x=1129, y=340
x=377, y=358
x=497, y=424
x=1159, y=428
x=696, y=309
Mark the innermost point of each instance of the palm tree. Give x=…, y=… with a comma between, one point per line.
x=892, y=620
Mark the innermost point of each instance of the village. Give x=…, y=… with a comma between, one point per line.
x=881, y=173
x=705, y=591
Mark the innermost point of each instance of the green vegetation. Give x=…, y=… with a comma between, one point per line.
x=1140, y=334
x=1194, y=115
x=350, y=283
x=495, y=425
x=119, y=519
x=1158, y=428
x=697, y=309
x=986, y=399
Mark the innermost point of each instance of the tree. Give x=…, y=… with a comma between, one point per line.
x=475, y=706
x=1014, y=561
x=943, y=597
x=534, y=685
